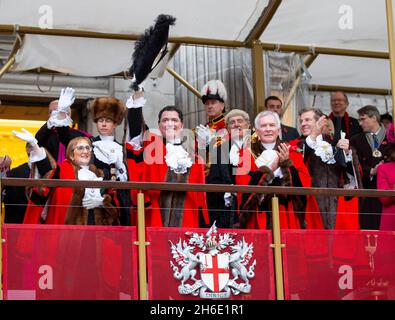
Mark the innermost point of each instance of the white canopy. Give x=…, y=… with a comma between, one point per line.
x=356, y=24
x=351, y=24
x=101, y=57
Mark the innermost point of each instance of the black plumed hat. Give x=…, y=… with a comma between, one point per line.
x=150, y=49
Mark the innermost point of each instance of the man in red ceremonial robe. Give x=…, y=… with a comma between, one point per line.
x=271, y=166
x=167, y=157
x=323, y=161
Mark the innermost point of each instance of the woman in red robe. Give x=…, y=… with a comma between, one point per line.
x=71, y=205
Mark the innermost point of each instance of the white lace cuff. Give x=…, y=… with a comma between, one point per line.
x=349, y=156
x=136, y=142
x=53, y=121
x=278, y=173
x=36, y=156
x=138, y=103
x=311, y=143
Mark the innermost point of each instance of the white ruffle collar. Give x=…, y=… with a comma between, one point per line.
x=177, y=158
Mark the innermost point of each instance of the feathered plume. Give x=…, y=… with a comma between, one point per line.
x=148, y=47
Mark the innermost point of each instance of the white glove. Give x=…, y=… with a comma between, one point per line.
x=119, y=164
x=121, y=173
x=228, y=199
x=138, y=103
x=66, y=99
x=90, y=202
x=26, y=136
x=112, y=157
x=204, y=135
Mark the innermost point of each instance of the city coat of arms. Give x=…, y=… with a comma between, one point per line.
x=213, y=265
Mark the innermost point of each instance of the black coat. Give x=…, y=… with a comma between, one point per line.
x=289, y=133
x=51, y=139
x=15, y=199
x=369, y=208
x=220, y=172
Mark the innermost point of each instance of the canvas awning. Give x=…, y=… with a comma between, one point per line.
x=354, y=29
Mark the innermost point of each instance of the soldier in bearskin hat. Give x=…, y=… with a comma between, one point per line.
x=209, y=138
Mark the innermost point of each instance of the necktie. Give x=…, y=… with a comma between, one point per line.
x=375, y=142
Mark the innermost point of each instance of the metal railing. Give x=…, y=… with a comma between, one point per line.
x=141, y=186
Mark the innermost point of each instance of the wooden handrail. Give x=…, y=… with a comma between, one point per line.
x=197, y=187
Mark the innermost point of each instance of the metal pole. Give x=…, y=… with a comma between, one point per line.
x=141, y=243
x=1, y=243
x=184, y=82
x=8, y=65
x=278, y=264
x=391, y=47
x=308, y=60
x=258, y=76
x=373, y=91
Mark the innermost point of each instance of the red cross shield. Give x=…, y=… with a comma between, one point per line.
x=215, y=271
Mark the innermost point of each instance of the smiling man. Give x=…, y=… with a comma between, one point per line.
x=325, y=168
x=372, y=148
x=342, y=121
x=166, y=157
x=228, y=158
x=271, y=165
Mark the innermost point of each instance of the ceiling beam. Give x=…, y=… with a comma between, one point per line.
x=10, y=29
x=263, y=22
x=373, y=91
x=325, y=50
x=115, y=36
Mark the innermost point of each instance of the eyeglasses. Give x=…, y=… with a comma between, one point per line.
x=82, y=148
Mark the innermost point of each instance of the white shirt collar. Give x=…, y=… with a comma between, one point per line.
x=106, y=138
x=376, y=133
x=269, y=146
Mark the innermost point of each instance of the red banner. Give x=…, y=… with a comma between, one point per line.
x=339, y=265
x=185, y=264
x=69, y=262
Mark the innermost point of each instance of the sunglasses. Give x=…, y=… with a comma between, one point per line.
x=82, y=148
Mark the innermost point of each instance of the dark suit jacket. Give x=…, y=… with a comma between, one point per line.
x=50, y=139
x=289, y=133
x=366, y=159
x=340, y=125
x=15, y=200
x=369, y=208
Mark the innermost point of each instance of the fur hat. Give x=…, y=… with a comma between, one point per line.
x=107, y=107
x=214, y=89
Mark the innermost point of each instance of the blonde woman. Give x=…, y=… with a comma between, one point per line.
x=81, y=206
